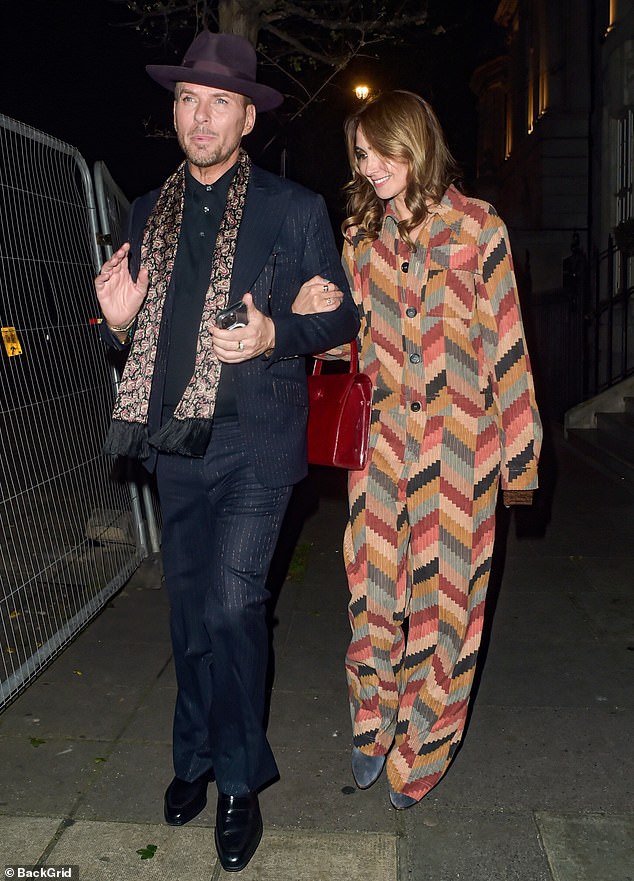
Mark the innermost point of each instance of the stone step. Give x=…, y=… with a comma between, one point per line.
x=605, y=450
x=616, y=431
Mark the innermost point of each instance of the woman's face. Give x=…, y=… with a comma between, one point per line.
x=387, y=176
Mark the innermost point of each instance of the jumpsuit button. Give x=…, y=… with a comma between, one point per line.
x=415, y=406
x=415, y=358
x=405, y=266
x=410, y=312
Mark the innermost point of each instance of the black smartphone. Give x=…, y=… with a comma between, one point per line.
x=234, y=315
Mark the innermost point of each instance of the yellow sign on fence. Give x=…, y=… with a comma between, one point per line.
x=11, y=341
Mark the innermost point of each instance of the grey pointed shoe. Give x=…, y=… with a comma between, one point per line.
x=400, y=801
x=366, y=770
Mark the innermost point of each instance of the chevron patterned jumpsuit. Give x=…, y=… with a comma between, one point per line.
x=454, y=416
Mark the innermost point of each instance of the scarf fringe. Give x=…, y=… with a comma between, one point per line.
x=127, y=439
x=187, y=437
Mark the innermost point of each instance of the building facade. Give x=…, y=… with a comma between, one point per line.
x=556, y=112
x=556, y=157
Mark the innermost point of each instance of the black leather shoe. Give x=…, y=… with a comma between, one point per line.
x=185, y=800
x=238, y=830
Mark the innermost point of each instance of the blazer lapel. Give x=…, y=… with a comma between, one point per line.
x=265, y=209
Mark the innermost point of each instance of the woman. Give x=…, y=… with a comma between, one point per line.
x=454, y=416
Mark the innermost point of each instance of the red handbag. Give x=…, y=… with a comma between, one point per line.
x=339, y=415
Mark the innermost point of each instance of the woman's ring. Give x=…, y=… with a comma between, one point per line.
x=328, y=301
x=325, y=287
x=240, y=345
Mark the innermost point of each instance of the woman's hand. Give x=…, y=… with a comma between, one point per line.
x=317, y=295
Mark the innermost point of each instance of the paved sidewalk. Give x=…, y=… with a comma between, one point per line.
x=540, y=791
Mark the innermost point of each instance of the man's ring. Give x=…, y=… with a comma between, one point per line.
x=325, y=287
x=240, y=345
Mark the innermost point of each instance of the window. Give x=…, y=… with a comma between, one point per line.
x=623, y=166
x=611, y=15
x=537, y=93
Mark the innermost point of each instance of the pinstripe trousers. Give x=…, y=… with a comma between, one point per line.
x=220, y=528
x=418, y=574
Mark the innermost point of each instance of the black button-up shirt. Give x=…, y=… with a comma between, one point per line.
x=202, y=213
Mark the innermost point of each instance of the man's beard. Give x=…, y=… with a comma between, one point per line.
x=218, y=154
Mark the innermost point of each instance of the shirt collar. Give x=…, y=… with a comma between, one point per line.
x=220, y=187
x=442, y=210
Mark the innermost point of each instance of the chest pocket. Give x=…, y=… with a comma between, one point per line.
x=451, y=279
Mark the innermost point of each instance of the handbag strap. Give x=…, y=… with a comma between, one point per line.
x=354, y=360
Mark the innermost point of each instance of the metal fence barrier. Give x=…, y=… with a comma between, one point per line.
x=69, y=537
x=112, y=206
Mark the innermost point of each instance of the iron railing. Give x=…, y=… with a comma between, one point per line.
x=609, y=321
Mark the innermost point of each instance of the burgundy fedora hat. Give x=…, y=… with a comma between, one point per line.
x=223, y=61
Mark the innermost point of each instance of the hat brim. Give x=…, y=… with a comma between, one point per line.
x=264, y=97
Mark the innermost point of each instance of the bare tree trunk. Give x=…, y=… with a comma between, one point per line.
x=240, y=17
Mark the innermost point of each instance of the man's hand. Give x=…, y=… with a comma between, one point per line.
x=119, y=297
x=244, y=343
x=317, y=295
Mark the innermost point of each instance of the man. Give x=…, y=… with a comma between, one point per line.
x=220, y=412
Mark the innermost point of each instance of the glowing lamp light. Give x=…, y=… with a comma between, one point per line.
x=362, y=92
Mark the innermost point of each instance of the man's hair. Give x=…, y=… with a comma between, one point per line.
x=398, y=125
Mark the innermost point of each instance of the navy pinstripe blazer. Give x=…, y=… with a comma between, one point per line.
x=286, y=224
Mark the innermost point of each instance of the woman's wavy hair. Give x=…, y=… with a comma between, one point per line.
x=398, y=125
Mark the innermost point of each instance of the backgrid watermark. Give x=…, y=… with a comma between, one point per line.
x=68, y=873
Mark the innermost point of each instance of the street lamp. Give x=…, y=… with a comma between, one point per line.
x=362, y=92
